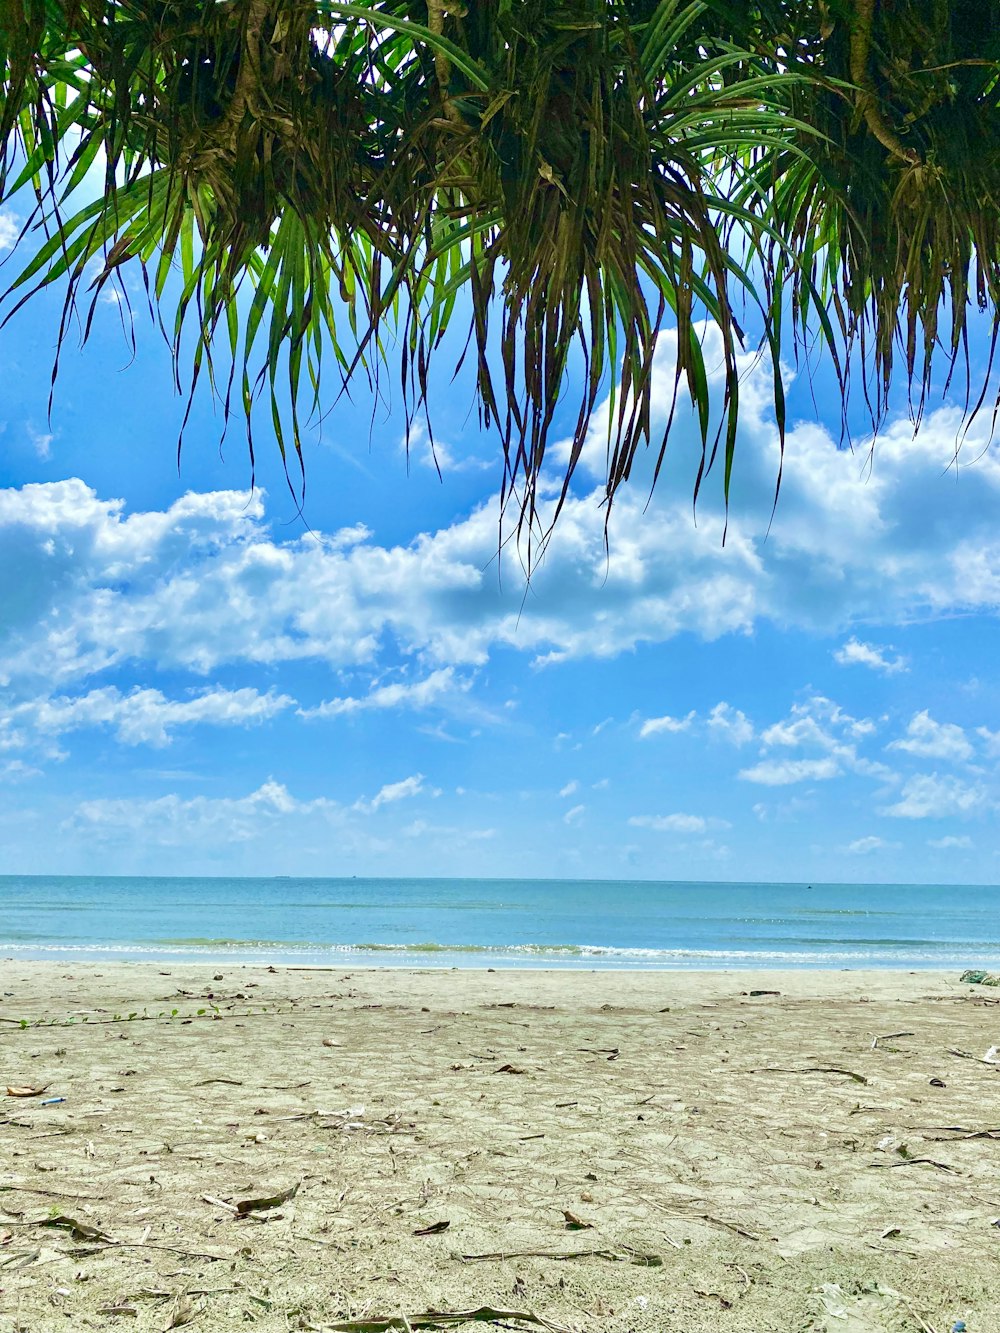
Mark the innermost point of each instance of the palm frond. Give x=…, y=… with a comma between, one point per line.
x=313, y=190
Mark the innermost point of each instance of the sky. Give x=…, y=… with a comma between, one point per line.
x=198, y=679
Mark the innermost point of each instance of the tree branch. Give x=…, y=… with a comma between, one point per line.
x=861, y=42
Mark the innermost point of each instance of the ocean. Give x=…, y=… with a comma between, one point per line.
x=500, y=922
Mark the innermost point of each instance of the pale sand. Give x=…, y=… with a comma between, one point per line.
x=680, y=1117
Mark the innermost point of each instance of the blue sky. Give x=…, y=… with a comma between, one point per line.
x=195, y=681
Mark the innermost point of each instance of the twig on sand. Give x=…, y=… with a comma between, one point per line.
x=486, y=1314
x=959, y=1133
x=150, y=1245
x=625, y=1255
x=101, y=1242
x=919, y=1161
x=811, y=1069
x=925, y=1327
x=743, y=1274
x=888, y=1036
x=698, y=1217
x=51, y=1194
x=693, y=1217
x=964, y=1055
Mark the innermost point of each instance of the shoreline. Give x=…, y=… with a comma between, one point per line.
x=482, y=959
x=633, y=1151
x=808, y=978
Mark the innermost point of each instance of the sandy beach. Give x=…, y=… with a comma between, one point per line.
x=615, y=1150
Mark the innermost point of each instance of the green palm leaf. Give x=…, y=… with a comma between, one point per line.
x=318, y=190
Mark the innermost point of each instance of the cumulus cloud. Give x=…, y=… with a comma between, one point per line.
x=438, y=685
x=9, y=230
x=865, y=846
x=171, y=820
x=723, y=722
x=934, y=740
x=991, y=741
x=146, y=716
x=655, y=726
x=41, y=443
x=821, y=725
x=205, y=583
x=930, y=796
x=420, y=828
x=856, y=653
x=439, y=456
x=396, y=791
x=730, y=724
x=677, y=823
x=950, y=842
x=574, y=815
x=819, y=722
x=571, y=787
x=784, y=772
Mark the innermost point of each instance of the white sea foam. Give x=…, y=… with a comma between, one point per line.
x=477, y=955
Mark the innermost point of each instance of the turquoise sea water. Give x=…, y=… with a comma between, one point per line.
x=498, y=923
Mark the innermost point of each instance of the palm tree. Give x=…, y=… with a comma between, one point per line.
x=315, y=191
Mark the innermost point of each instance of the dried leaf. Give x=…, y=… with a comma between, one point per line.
x=79, y=1230
x=245, y=1206
x=485, y=1314
x=26, y=1090
x=183, y=1312
x=574, y=1223
x=434, y=1229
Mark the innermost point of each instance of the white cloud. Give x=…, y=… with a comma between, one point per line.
x=815, y=722
x=396, y=791
x=575, y=815
x=934, y=740
x=441, y=457
x=41, y=442
x=950, y=843
x=928, y=796
x=730, y=724
x=438, y=685
x=991, y=741
x=570, y=788
x=146, y=716
x=420, y=828
x=205, y=583
x=865, y=846
x=783, y=772
x=818, y=724
x=9, y=230
x=654, y=726
x=677, y=823
x=171, y=821
x=873, y=655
